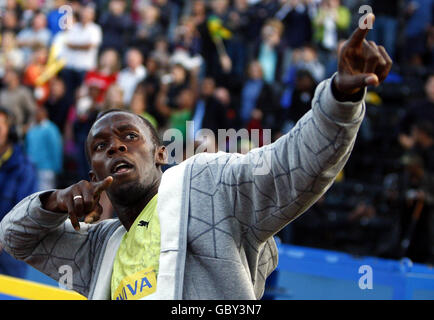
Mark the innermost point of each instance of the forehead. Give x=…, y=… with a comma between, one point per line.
x=115, y=121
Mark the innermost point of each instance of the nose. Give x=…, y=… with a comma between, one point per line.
x=116, y=146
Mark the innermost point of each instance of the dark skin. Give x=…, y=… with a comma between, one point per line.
x=118, y=139
x=121, y=136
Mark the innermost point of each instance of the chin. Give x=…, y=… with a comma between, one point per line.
x=128, y=193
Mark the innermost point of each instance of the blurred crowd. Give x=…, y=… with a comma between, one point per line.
x=224, y=64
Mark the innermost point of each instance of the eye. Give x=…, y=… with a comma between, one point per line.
x=131, y=136
x=99, y=146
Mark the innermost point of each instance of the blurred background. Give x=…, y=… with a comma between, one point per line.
x=224, y=64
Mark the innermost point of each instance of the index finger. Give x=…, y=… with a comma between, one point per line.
x=359, y=34
x=100, y=186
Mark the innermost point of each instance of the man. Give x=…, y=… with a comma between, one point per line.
x=17, y=180
x=132, y=75
x=208, y=111
x=18, y=100
x=117, y=26
x=37, y=36
x=208, y=223
x=44, y=149
x=79, y=47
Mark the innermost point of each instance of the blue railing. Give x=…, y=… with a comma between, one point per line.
x=316, y=274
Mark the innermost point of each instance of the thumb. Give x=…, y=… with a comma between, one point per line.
x=371, y=79
x=350, y=83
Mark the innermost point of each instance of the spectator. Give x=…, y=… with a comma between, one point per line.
x=12, y=5
x=259, y=13
x=301, y=97
x=10, y=55
x=187, y=37
x=171, y=86
x=106, y=74
x=130, y=76
x=182, y=111
x=10, y=22
x=223, y=96
x=331, y=22
x=256, y=98
x=386, y=24
x=139, y=105
x=17, y=180
x=419, y=18
x=269, y=51
x=44, y=149
x=117, y=26
x=86, y=111
x=114, y=98
x=295, y=17
x=417, y=111
x=19, y=100
x=161, y=55
x=151, y=86
x=209, y=112
x=33, y=71
x=82, y=42
x=417, y=205
x=422, y=143
x=57, y=103
x=35, y=36
x=148, y=30
x=30, y=10
x=239, y=45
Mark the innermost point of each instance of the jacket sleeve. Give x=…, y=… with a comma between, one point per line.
x=47, y=241
x=271, y=186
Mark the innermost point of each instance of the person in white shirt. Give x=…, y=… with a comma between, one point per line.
x=134, y=72
x=79, y=45
x=83, y=41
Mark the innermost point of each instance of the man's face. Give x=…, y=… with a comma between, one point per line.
x=134, y=59
x=4, y=129
x=120, y=146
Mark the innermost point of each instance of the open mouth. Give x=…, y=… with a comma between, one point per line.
x=121, y=167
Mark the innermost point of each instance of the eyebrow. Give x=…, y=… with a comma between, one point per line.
x=121, y=128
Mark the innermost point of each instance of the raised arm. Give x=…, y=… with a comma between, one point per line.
x=271, y=186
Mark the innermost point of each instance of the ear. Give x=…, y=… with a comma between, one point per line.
x=92, y=176
x=161, y=156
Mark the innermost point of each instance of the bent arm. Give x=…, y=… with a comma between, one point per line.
x=47, y=241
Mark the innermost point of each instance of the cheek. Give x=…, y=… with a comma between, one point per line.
x=98, y=167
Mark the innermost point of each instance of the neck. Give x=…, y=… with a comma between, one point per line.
x=128, y=213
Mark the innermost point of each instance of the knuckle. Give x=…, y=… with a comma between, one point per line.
x=374, y=56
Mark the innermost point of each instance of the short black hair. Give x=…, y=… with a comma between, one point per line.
x=155, y=138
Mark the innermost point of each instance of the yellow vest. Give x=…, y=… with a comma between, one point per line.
x=136, y=264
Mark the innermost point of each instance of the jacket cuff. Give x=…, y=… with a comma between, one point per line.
x=345, y=112
x=45, y=218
